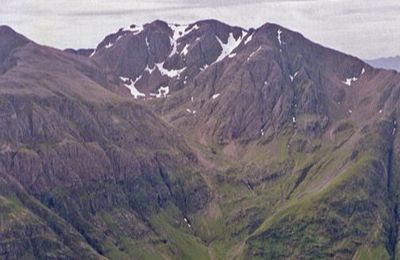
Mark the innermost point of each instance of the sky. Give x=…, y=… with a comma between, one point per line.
x=364, y=28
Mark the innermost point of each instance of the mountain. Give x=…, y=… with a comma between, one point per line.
x=82, y=168
x=159, y=57
x=198, y=141
x=390, y=63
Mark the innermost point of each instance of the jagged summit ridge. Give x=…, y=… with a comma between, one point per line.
x=249, y=82
x=170, y=54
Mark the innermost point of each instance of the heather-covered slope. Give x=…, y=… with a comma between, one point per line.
x=84, y=171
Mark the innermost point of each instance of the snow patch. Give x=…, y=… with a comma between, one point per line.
x=190, y=111
x=134, y=92
x=194, y=27
x=292, y=77
x=161, y=93
x=205, y=66
x=109, y=45
x=279, y=37
x=228, y=47
x=349, y=81
x=119, y=37
x=185, y=50
x=262, y=132
x=232, y=55
x=135, y=29
x=169, y=73
x=294, y=119
x=253, y=53
x=248, y=39
x=149, y=70
x=216, y=95
x=350, y=111
x=179, y=31
x=93, y=53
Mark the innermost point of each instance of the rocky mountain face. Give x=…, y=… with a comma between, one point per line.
x=158, y=57
x=199, y=141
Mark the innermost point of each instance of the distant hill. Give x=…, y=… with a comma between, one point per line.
x=392, y=63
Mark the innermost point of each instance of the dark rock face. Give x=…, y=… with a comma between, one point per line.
x=160, y=54
x=272, y=77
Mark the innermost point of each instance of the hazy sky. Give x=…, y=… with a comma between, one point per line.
x=365, y=28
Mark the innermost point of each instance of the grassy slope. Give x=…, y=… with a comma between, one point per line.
x=290, y=204
x=282, y=204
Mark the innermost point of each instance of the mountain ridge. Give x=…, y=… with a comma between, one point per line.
x=203, y=141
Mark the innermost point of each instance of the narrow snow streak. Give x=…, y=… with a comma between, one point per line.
x=248, y=39
x=279, y=37
x=253, y=53
x=161, y=93
x=185, y=50
x=169, y=73
x=180, y=31
x=216, y=95
x=228, y=47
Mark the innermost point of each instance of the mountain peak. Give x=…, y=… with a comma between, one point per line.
x=9, y=40
x=8, y=34
x=5, y=29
